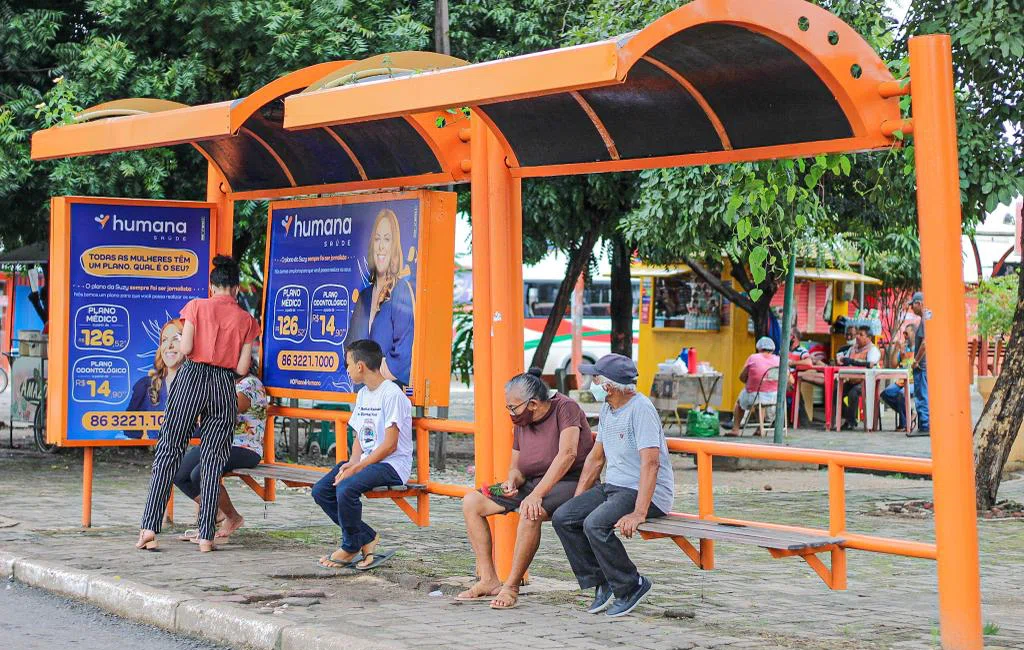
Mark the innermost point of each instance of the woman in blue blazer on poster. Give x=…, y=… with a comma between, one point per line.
x=384, y=308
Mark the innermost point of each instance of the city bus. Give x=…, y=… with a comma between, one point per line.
x=540, y=285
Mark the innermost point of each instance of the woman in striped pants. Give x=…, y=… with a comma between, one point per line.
x=217, y=339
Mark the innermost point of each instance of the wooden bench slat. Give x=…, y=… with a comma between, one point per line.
x=761, y=530
x=311, y=476
x=771, y=533
x=753, y=535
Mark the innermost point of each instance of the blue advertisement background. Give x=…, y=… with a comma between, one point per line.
x=133, y=308
x=316, y=269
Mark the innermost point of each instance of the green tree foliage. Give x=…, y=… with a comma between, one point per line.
x=997, y=302
x=183, y=50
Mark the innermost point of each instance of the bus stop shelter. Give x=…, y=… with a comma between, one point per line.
x=716, y=81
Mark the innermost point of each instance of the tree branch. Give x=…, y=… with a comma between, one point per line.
x=737, y=298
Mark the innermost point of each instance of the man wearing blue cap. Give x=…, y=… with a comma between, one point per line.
x=638, y=485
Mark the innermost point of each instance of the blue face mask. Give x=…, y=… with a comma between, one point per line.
x=598, y=391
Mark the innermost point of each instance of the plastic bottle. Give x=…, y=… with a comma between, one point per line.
x=691, y=361
x=684, y=356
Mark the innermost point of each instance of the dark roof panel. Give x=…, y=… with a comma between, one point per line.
x=763, y=93
x=389, y=148
x=246, y=163
x=548, y=130
x=312, y=156
x=672, y=121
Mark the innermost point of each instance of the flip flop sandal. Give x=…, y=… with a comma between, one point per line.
x=351, y=564
x=189, y=535
x=375, y=560
x=475, y=599
x=502, y=594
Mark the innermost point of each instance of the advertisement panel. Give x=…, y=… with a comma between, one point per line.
x=349, y=268
x=123, y=270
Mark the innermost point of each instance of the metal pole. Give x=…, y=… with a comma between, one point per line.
x=787, y=320
x=87, y=488
x=938, y=209
x=577, y=329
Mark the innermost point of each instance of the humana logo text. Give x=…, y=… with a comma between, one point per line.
x=328, y=227
x=120, y=224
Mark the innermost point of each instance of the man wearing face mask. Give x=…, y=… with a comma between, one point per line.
x=638, y=485
x=551, y=440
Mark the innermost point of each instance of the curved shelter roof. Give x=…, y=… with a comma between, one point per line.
x=246, y=141
x=714, y=81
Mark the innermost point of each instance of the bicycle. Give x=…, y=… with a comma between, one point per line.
x=34, y=391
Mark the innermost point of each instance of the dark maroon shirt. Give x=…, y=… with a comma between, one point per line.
x=537, y=443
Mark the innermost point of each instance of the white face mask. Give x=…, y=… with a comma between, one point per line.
x=598, y=391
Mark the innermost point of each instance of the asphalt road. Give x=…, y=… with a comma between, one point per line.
x=31, y=619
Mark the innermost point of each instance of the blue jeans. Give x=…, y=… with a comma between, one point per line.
x=895, y=399
x=921, y=399
x=343, y=504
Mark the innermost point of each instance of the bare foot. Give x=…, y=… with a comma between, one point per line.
x=147, y=540
x=481, y=591
x=229, y=526
x=732, y=434
x=206, y=545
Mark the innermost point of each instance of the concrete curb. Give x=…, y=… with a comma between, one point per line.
x=179, y=613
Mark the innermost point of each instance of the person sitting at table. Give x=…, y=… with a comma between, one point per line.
x=863, y=354
x=894, y=395
x=810, y=376
x=757, y=388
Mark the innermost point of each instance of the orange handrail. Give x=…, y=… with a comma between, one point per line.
x=837, y=462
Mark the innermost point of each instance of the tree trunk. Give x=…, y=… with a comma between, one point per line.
x=441, y=43
x=1000, y=421
x=762, y=322
x=578, y=259
x=622, y=298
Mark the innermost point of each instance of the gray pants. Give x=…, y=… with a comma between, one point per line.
x=586, y=527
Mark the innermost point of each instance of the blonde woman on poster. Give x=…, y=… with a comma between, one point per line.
x=383, y=310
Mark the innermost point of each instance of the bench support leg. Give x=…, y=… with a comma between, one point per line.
x=834, y=577
x=697, y=557
x=418, y=517
x=255, y=486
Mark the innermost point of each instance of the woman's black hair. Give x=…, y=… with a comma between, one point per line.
x=225, y=272
x=530, y=385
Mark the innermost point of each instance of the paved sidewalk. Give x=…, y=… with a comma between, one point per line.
x=750, y=601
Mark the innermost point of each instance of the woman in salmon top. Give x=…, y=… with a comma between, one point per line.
x=217, y=340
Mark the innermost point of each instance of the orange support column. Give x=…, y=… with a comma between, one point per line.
x=482, y=374
x=938, y=206
x=87, y=488
x=222, y=238
x=506, y=271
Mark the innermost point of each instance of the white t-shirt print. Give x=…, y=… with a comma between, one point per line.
x=374, y=412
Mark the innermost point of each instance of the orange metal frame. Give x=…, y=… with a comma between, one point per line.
x=419, y=515
x=435, y=249
x=870, y=104
x=837, y=462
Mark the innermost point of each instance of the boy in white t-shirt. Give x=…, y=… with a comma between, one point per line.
x=381, y=455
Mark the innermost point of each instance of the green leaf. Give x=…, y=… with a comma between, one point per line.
x=844, y=163
x=742, y=228
x=755, y=294
x=790, y=193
